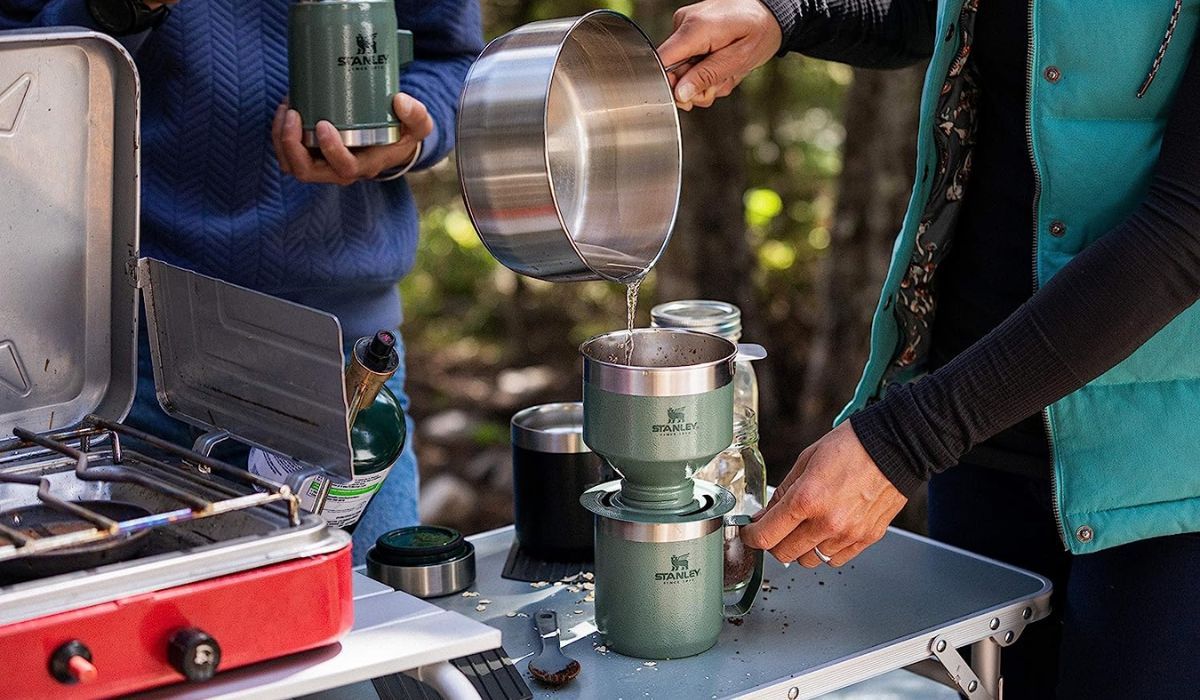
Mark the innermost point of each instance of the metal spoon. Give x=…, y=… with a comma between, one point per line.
x=551, y=666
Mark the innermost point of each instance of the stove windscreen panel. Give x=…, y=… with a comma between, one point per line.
x=266, y=370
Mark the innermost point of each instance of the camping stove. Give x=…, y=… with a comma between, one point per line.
x=226, y=574
x=126, y=562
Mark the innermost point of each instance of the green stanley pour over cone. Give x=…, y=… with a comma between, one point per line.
x=659, y=533
x=660, y=419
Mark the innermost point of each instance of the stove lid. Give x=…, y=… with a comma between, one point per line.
x=68, y=228
x=266, y=370
x=226, y=358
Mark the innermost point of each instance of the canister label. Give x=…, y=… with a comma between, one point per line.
x=344, y=504
x=366, y=52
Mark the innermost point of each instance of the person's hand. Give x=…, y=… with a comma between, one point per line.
x=155, y=4
x=835, y=499
x=730, y=37
x=339, y=165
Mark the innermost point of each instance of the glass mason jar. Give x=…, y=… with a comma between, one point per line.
x=717, y=318
x=742, y=471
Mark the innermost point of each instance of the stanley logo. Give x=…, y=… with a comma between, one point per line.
x=367, y=53
x=676, y=422
x=679, y=570
x=366, y=45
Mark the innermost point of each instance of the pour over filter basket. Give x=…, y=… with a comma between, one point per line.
x=661, y=417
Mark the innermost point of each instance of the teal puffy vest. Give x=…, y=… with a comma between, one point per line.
x=1126, y=447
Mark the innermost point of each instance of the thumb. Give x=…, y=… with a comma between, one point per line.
x=686, y=41
x=709, y=73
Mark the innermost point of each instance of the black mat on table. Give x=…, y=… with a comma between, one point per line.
x=401, y=687
x=493, y=675
x=522, y=566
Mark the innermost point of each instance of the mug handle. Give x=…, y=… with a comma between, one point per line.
x=750, y=352
x=734, y=523
x=404, y=49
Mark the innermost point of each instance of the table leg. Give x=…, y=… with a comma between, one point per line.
x=985, y=659
x=447, y=680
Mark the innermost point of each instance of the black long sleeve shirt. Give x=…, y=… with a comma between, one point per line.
x=988, y=271
x=1005, y=352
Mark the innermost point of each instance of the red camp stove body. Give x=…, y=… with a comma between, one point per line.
x=225, y=575
x=153, y=639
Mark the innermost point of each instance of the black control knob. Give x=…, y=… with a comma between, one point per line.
x=71, y=663
x=194, y=653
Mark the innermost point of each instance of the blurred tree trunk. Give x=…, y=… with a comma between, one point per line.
x=873, y=191
x=709, y=256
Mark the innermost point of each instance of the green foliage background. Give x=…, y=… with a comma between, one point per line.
x=460, y=301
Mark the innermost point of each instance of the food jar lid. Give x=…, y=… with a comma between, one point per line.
x=419, y=545
x=424, y=560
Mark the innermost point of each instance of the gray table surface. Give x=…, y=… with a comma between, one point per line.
x=811, y=631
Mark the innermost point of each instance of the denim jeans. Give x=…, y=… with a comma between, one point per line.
x=394, y=505
x=1125, y=621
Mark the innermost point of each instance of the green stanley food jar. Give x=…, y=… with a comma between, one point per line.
x=377, y=436
x=344, y=65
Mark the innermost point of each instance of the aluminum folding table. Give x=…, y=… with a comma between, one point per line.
x=906, y=602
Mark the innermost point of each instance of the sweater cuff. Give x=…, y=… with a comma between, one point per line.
x=787, y=13
x=876, y=429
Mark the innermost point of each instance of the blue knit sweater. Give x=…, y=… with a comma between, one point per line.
x=213, y=197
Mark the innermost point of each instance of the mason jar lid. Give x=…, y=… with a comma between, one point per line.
x=704, y=315
x=556, y=428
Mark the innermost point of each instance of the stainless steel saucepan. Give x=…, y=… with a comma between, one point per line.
x=569, y=151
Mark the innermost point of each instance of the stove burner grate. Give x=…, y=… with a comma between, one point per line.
x=122, y=469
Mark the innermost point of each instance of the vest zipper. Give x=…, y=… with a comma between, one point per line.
x=1037, y=193
x=1162, y=49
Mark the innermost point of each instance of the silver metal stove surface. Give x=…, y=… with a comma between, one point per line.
x=178, y=554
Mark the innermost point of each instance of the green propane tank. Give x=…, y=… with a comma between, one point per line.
x=377, y=436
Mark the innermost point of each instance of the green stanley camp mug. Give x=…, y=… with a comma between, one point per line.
x=344, y=64
x=658, y=412
x=660, y=578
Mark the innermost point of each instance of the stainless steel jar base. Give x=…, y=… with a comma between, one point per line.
x=425, y=560
x=430, y=581
x=358, y=138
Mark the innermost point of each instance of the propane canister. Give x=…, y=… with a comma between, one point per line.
x=377, y=436
x=344, y=64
